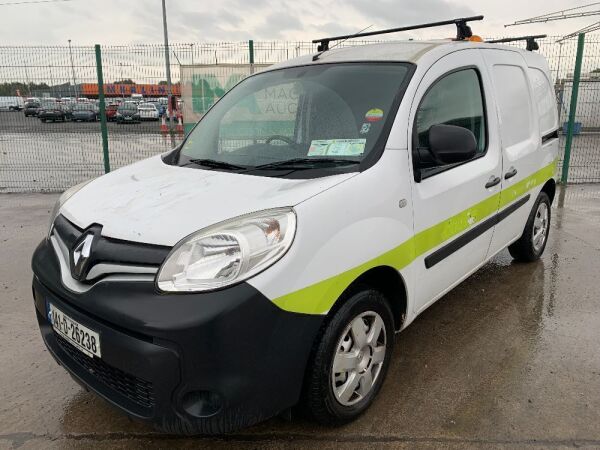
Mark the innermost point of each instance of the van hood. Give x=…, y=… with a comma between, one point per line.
x=156, y=203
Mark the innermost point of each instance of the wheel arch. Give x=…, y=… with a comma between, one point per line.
x=389, y=282
x=550, y=189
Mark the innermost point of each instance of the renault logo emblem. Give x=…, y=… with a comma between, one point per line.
x=81, y=255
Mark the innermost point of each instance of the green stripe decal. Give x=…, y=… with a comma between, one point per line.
x=318, y=298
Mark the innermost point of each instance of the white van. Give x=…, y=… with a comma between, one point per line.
x=11, y=103
x=315, y=211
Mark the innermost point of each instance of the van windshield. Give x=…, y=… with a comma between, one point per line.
x=325, y=116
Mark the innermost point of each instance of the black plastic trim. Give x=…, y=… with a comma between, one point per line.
x=511, y=173
x=549, y=136
x=183, y=344
x=110, y=250
x=493, y=182
x=458, y=243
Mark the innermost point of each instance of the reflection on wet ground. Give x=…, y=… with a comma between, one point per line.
x=508, y=358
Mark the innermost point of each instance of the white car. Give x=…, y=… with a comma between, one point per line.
x=148, y=111
x=314, y=211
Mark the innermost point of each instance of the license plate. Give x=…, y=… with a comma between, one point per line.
x=81, y=337
x=127, y=118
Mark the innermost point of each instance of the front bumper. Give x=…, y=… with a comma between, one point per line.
x=128, y=119
x=202, y=363
x=84, y=117
x=50, y=115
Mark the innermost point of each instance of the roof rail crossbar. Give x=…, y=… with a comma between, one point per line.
x=531, y=41
x=463, y=31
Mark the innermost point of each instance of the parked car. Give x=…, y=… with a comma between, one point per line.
x=138, y=98
x=159, y=106
x=111, y=112
x=84, y=112
x=31, y=109
x=51, y=111
x=270, y=258
x=68, y=109
x=128, y=113
x=148, y=111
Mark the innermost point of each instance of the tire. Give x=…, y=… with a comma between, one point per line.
x=321, y=399
x=531, y=245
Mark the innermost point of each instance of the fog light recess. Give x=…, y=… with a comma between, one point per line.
x=201, y=403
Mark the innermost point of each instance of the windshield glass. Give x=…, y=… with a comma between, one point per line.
x=326, y=111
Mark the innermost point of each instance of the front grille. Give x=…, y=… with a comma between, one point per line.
x=135, y=389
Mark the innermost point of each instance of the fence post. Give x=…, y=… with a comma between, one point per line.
x=251, y=55
x=102, y=105
x=572, y=108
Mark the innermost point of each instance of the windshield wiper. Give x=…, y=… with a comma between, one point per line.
x=305, y=163
x=215, y=164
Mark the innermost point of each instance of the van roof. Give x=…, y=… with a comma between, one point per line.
x=397, y=51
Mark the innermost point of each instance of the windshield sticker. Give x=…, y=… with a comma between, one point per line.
x=337, y=147
x=366, y=127
x=374, y=115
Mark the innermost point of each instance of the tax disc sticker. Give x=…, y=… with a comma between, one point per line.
x=337, y=147
x=374, y=115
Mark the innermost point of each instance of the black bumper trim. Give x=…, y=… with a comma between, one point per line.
x=458, y=243
x=234, y=342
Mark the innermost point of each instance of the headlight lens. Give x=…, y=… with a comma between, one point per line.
x=62, y=200
x=228, y=252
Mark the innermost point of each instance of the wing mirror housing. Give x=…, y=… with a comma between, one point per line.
x=452, y=144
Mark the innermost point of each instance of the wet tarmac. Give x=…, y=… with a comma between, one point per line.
x=510, y=358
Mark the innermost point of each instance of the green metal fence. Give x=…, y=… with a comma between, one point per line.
x=49, y=155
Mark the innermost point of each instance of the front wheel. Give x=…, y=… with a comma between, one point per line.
x=532, y=243
x=349, y=359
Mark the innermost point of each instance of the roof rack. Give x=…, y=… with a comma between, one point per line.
x=463, y=31
x=531, y=41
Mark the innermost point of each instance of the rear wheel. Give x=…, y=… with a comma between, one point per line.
x=349, y=359
x=532, y=243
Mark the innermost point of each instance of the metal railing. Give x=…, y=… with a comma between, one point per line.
x=48, y=155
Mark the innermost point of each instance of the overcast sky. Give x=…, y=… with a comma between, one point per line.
x=140, y=21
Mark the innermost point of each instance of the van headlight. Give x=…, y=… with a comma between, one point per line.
x=228, y=252
x=62, y=200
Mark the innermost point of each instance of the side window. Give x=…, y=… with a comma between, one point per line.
x=265, y=113
x=456, y=99
x=514, y=104
x=544, y=97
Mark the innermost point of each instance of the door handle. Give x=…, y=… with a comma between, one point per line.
x=493, y=181
x=511, y=173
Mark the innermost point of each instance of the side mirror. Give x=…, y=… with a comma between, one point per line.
x=451, y=144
